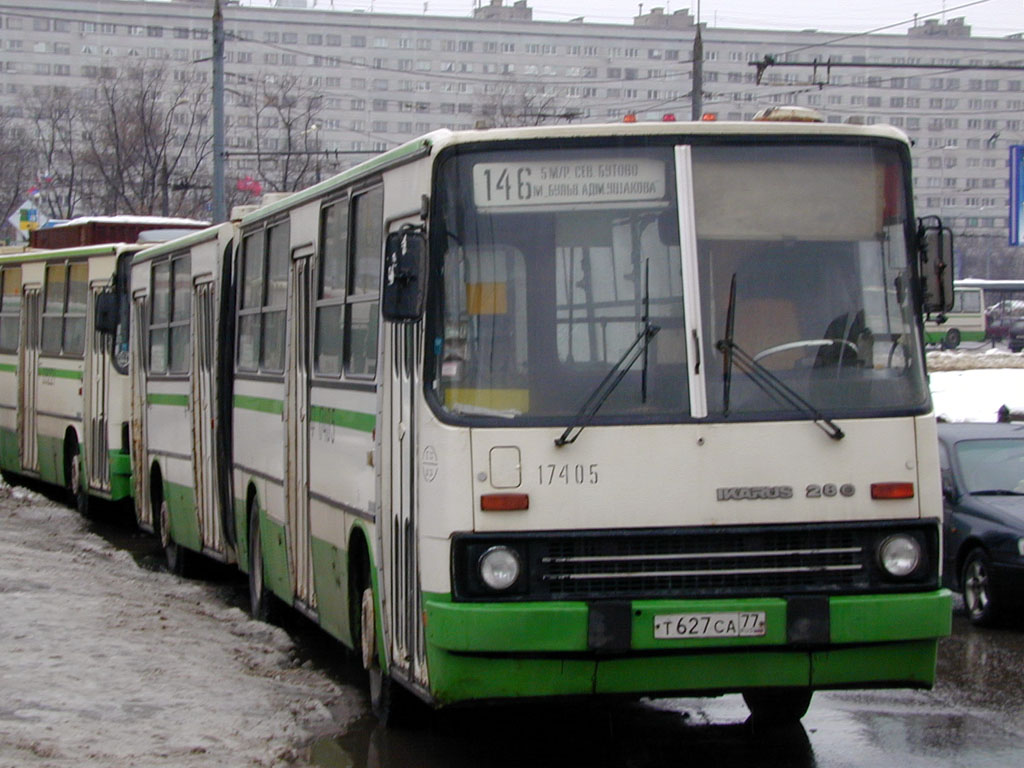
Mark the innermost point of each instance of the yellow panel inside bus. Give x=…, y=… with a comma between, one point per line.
x=495, y=399
x=486, y=299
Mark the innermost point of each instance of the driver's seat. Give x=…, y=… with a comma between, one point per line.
x=765, y=322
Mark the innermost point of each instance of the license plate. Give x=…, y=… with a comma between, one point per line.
x=681, y=626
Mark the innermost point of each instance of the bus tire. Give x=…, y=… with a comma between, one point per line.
x=261, y=601
x=76, y=479
x=777, y=706
x=175, y=555
x=952, y=338
x=390, y=703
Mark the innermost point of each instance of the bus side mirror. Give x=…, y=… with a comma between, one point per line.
x=936, y=262
x=405, y=273
x=108, y=313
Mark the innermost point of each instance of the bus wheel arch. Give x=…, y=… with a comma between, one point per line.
x=74, y=472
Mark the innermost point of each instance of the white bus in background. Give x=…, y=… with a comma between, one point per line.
x=964, y=322
x=64, y=392
x=177, y=349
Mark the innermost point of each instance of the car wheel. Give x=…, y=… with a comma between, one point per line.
x=976, y=581
x=952, y=338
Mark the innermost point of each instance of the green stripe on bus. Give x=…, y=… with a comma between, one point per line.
x=60, y=373
x=261, y=404
x=8, y=367
x=156, y=398
x=361, y=422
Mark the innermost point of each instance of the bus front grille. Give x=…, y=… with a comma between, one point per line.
x=684, y=563
x=704, y=565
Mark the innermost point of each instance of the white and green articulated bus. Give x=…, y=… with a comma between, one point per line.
x=64, y=408
x=177, y=353
x=630, y=410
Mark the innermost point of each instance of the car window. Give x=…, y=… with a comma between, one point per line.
x=991, y=465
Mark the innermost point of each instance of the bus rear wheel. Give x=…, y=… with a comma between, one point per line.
x=777, y=706
x=261, y=601
x=76, y=480
x=176, y=555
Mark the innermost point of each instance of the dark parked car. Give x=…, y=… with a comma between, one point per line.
x=1015, y=336
x=983, y=490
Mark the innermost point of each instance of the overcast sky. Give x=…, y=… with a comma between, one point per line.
x=994, y=18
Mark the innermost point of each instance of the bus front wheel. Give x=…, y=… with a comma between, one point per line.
x=778, y=706
x=391, y=704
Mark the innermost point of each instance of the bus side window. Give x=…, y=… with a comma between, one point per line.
x=331, y=283
x=363, y=305
x=10, y=308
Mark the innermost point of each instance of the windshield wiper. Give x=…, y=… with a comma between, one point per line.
x=608, y=384
x=996, y=492
x=767, y=381
x=726, y=345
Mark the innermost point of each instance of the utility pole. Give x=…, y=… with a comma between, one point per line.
x=219, y=205
x=697, y=96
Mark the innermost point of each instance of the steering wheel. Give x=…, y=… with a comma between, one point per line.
x=803, y=343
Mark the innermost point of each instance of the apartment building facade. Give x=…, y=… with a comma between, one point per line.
x=386, y=78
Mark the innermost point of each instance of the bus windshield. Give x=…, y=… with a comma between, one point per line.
x=558, y=264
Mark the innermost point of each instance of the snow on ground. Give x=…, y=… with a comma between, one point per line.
x=973, y=385
x=104, y=663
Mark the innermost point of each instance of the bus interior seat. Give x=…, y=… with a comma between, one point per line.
x=766, y=322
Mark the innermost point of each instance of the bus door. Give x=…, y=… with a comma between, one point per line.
x=204, y=456
x=28, y=380
x=139, y=345
x=94, y=420
x=403, y=356
x=296, y=414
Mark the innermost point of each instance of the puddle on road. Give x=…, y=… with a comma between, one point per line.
x=548, y=736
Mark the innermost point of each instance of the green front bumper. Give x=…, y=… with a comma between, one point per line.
x=509, y=650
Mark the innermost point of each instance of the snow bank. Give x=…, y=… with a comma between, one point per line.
x=105, y=664
x=972, y=360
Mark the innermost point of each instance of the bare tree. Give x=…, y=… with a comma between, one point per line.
x=148, y=143
x=17, y=169
x=517, y=104
x=57, y=124
x=286, y=114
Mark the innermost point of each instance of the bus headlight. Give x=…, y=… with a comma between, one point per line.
x=499, y=567
x=899, y=555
